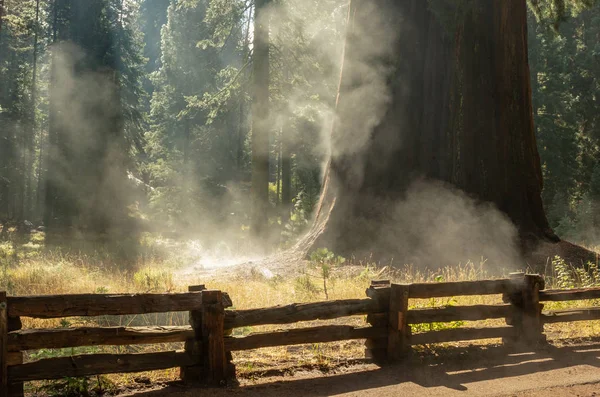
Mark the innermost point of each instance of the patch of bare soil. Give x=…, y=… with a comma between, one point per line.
x=291, y=263
x=493, y=370
x=284, y=264
x=586, y=390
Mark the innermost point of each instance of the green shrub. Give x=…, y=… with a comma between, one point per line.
x=76, y=387
x=568, y=277
x=325, y=261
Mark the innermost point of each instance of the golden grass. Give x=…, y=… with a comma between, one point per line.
x=35, y=272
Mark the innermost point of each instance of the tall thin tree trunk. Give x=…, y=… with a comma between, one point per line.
x=243, y=123
x=38, y=211
x=1, y=20
x=186, y=194
x=286, y=159
x=239, y=144
x=286, y=180
x=52, y=162
x=39, y=202
x=278, y=202
x=31, y=153
x=4, y=140
x=260, y=121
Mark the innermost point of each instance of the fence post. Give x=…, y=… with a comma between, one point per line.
x=213, y=338
x=526, y=314
x=532, y=309
x=15, y=358
x=4, y=344
x=398, y=327
x=227, y=333
x=514, y=297
x=377, y=349
x=193, y=346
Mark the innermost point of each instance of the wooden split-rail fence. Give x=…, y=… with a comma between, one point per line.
x=208, y=342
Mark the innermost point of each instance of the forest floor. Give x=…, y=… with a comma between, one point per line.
x=29, y=268
x=558, y=370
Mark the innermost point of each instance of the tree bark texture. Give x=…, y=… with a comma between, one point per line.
x=444, y=100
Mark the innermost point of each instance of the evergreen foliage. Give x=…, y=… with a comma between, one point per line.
x=566, y=90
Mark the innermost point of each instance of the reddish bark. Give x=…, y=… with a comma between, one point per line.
x=460, y=112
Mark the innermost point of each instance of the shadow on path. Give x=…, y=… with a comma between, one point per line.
x=453, y=369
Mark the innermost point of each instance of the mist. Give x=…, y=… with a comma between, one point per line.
x=141, y=136
x=441, y=226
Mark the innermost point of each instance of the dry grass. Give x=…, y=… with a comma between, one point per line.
x=33, y=271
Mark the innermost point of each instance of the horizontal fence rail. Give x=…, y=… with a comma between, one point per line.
x=295, y=313
x=327, y=333
x=209, y=306
x=521, y=312
x=572, y=315
x=33, y=339
x=461, y=334
x=569, y=295
x=461, y=288
x=97, y=364
x=101, y=304
x=458, y=313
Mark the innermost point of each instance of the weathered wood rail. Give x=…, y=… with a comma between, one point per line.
x=295, y=313
x=298, y=313
x=208, y=342
x=569, y=315
x=400, y=317
x=202, y=339
x=388, y=313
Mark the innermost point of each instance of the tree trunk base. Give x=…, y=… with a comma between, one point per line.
x=533, y=252
x=540, y=258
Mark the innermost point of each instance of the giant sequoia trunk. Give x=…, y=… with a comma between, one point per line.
x=434, y=121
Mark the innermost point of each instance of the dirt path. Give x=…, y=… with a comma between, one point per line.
x=564, y=371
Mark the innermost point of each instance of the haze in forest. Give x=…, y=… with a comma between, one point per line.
x=130, y=124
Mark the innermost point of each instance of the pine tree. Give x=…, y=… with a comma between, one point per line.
x=16, y=113
x=94, y=118
x=193, y=140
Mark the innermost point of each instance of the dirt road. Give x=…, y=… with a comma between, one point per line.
x=564, y=371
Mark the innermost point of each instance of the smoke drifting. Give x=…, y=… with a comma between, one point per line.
x=429, y=224
x=437, y=226
x=377, y=201
x=87, y=151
